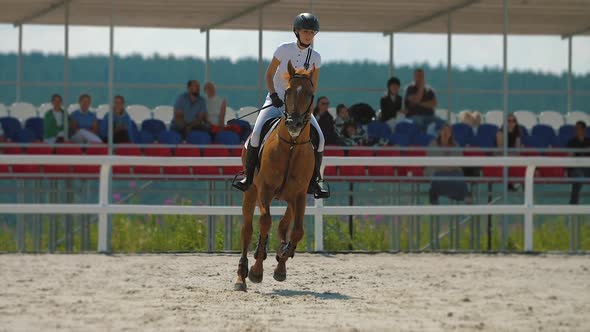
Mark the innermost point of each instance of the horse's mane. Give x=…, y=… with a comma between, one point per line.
x=300, y=71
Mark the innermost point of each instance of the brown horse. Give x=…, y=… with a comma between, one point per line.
x=286, y=167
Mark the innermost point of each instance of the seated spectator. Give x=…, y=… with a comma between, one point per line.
x=55, y=122
x=454, y=189
x=84, y=123
x=325, y=120
x=215, y=106
x=580, y=141
x=420, y=101
x=513, y=133
x=121, y=122
x=391, y=103
x=342, y=117
x=350, y=135
x=470, y=118
x=190, y=111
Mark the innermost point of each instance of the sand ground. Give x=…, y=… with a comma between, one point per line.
x=384, y=292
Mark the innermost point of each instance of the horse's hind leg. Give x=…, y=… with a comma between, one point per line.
x=256, y=271
x=248, y=207
x=287, y=249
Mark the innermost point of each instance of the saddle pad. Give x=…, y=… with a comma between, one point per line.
x=267, y=129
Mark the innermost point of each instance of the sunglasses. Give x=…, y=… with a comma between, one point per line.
x=325, y=103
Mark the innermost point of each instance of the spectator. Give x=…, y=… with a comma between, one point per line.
x=391, y=103
x=216, y=106
x=580, y=141
x=325, y=120
x=454, y=189
x=55, y=122
x=351, y=136
x=513, y=133
x=190, y=110
x=84, y=123
x=342, y=117
x=420, y=101
x=122, y=126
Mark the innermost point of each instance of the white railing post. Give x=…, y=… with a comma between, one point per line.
x=104, y=224
x=528, y=207
x=319, y=225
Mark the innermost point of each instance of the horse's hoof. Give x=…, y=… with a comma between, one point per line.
x=279, y=276
x=255, y=278
x=240, y=287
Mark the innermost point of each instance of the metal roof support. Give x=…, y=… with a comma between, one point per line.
x=207, y=56
x=260, y=62
x=576, y=32
x=430, y=17
x=449, y=66
x=19, y=65
x=391, y=64
x=40, y=12
x=505, y=131
x=569, y=74
x=66, y=52
x=238, y=15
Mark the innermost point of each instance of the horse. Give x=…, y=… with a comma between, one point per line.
x=285, y=169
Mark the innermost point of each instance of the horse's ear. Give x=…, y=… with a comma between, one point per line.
x=290, y=69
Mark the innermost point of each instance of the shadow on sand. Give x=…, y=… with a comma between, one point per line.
x=321, y=296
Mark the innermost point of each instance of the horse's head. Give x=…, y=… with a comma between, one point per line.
x=298, y=99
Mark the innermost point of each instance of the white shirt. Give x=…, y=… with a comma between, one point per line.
x=290, y=51
x=214, y=108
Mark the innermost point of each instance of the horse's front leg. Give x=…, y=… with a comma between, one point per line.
x=248, y=207
x=265, y=221
x=287, y=249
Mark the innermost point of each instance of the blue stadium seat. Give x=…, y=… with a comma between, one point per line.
x=422, y=139
x=10, y=126
x=25, y=136
x=399, y=139
x=154, y=126
x=244, y=125
x=143, y=137
x=36, y=125
x=406, y=128
x=378, y=130
x=463, y=133
x=544, y=133
x=486, y=136
x=198, y=137
x=227, y=138
x=535, y=142
x=169, y=137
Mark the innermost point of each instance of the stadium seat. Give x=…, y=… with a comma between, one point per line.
x=332, y=111
x=575, y=116
x=356, y=170
x=65, y=150
x=495, y=117
x=23, y=111
x=551, y=118
x=144, y=137
x=422, y=139
x=126, y=151
x=25, y=136
x=384, y=170
x=73, y=107
x=10, y=126
x=406, y=128
x=245, y=127
x=198, y=137
x=378, y=130
x=527, y=119
x=43, y=108
x=553, y=172
x=251, y=119
x=330, y=152
x=153, y=126
x=221, y=152
x=183, y=150
x=163, y=113
x=3, y=111
x=152, y=151
x=463, y=133
x=544, y=133
x=399, y=139
x=230, y=114
x=35, y=125
x=92, y=150
x=169, y=137
x=139, y=113
x=212, y=170
x=102, y=110
x=227, y=138
x=486, y=136
x=415, y=171
x=33, y=150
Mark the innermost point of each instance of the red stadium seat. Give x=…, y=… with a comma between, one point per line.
x=356, y=170
x=33, y=150
x=152, y=151
x=183, y=151
x=10, y=149
x=415, y=171
x=64, y=150
x=211, y=170
x=126, y=151
x=332, y=170
x=92, y=150
x=553, y=172
x=384, y=170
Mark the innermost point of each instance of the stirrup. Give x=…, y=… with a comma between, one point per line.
x=321, y=192
x=238, y=183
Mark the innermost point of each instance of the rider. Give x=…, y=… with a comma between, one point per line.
x=305, y=27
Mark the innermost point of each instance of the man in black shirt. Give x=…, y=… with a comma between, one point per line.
x=391, y=103
x=580, y=141
x=420, y=101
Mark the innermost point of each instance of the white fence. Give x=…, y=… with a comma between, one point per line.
x=104, y=208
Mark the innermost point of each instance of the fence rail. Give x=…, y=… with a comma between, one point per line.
x=104, y=208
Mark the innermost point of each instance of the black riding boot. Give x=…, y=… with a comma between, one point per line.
x=251, y=162
x=315, y=187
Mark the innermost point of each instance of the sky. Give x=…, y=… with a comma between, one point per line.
x=538, y=53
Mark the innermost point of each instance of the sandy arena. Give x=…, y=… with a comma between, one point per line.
x=418, y=292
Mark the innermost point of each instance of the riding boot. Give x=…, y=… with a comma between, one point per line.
x=315, y=186
x=251, y=162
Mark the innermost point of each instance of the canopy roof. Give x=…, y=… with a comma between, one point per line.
x=540, y=17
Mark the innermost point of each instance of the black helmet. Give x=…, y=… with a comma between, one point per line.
x=306, y=21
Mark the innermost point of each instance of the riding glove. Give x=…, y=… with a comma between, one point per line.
x=276, y=101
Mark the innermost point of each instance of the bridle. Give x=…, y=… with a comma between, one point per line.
x=308, y=109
